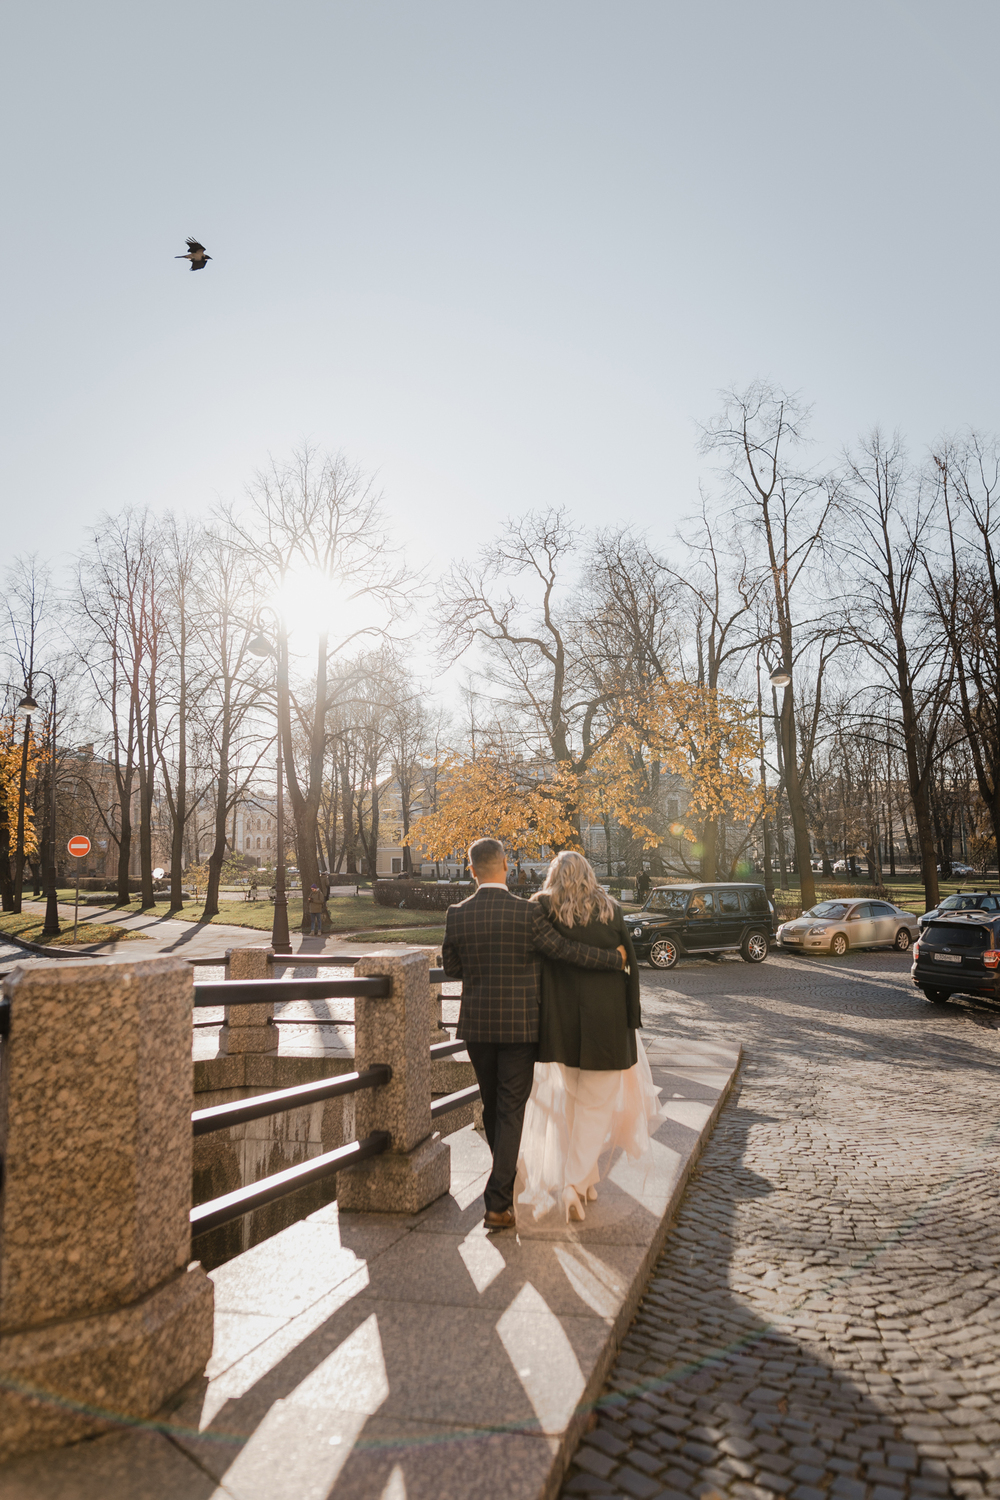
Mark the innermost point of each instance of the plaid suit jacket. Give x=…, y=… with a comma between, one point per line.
x=494, y=942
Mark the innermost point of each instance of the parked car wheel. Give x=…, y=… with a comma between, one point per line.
x=753, y=949
x=664, y=954
x=931, y=992
x=903, y=940
x=839, y=945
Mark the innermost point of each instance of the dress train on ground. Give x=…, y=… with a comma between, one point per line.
x=575, y=1116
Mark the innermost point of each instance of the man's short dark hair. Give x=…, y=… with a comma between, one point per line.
x=486, y=852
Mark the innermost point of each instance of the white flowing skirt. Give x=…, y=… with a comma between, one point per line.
x=573, y=1118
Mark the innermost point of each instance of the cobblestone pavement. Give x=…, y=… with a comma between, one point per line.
x=825, y=1320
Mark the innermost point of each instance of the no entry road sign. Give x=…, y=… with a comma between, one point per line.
x=79, y=845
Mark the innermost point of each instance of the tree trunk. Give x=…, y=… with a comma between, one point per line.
x=350, y=851
x=709, y=848
x=180, y=797
x=125, y=841
x=305, y=804
x=803, y=854
x=918, y=781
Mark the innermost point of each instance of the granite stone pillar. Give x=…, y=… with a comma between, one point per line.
x=416, y=1169
x=102, y=1314
x=249, y=1028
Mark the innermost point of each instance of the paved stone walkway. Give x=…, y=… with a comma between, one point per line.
x=825, y=1320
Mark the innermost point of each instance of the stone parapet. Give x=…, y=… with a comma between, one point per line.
x=249, y=1028
x=102, y=1313
x=416, y=1168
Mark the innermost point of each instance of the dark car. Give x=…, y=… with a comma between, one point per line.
x=987, y=901
x=714, y=917
x=959, y=954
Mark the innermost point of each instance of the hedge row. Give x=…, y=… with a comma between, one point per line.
x=419, y=895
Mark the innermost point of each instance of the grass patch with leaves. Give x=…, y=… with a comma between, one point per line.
x=428, y=936
x=28, y=927
x=347, y=914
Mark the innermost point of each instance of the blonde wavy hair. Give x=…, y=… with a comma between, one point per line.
x=575, y=897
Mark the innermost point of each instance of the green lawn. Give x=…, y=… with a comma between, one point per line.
x=347, y=914
x=28, y=927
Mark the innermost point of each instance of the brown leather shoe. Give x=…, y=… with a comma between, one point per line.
x=506, y=1220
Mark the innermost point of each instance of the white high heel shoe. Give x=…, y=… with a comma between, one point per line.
x=573, y=1204
x=592, y=1194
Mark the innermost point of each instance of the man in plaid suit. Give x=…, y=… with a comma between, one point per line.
x=494, y=942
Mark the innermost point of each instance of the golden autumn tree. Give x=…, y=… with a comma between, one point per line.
x=11, y=750
x=500, y=798
x=700, y=734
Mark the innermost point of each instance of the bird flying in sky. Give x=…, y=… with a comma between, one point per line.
x=196, y=254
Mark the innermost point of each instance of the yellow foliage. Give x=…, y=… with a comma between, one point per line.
x=11, y=750
x=493, y=798
x=704, y=736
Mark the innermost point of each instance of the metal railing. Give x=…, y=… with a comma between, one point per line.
x=261, y=991
x=239, y=1111
x=223, y=1210
x=219, y=1211
x=446, y=1049
x=457, y=1100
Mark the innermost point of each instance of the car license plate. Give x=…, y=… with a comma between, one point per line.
x=947, y=958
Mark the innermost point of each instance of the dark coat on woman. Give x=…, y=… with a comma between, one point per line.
x=589, y=1018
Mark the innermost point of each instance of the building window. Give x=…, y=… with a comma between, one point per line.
x=671, y=808
x=397, y=867
x=258, y=843
x=267, y=843
x=248, y=843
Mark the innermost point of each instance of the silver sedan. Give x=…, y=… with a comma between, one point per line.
x=835, y=926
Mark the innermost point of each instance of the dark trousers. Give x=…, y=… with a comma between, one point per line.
x=504, y=1071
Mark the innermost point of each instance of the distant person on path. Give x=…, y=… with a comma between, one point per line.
x=642, y=886
x=316, y=906
x=494, y=942
x=252, y=887
x=593, y=1088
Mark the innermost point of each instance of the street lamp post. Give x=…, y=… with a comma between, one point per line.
x=261, y=646
x=781, y=677
x=768, y=868
x=51, y=928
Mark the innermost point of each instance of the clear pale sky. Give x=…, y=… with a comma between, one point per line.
x=504, y=254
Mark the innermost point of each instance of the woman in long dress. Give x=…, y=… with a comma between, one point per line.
x=593, y=1090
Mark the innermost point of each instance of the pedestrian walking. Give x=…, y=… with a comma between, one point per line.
x=316, y=907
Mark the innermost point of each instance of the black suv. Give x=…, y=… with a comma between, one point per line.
x=959, y=953
x=987, y=901
x=717, y=917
